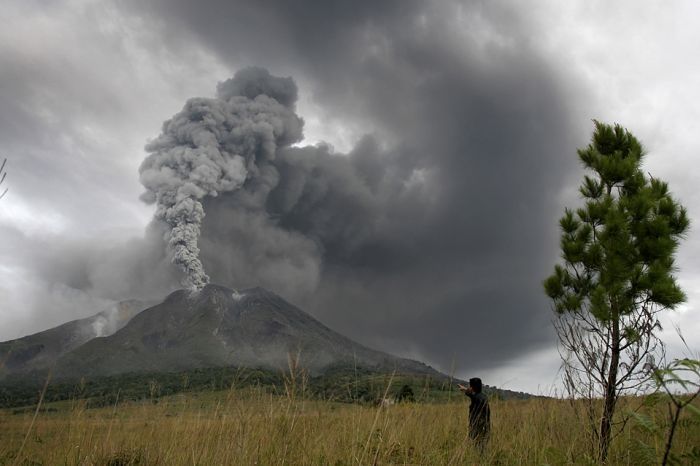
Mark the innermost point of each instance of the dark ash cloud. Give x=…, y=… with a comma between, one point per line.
x=431, y=235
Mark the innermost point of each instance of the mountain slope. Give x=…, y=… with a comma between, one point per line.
x=42, y=349
x=217, y=326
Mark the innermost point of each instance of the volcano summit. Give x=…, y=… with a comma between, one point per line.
x=213, y=327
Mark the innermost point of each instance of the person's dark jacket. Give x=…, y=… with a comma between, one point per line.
x=479, y=416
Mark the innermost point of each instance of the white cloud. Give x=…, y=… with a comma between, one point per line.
x=536, y=373
x=639, y=62
x=16, y=213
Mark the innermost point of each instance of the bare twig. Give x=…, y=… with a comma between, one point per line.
x=3, y=174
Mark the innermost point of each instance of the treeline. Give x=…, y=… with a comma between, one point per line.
x=342, y=383
x=100, y=391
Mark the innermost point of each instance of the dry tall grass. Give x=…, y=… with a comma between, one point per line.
x=247, y=427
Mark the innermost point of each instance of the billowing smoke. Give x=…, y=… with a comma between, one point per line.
x=398, y=234
x=395, y=243
x=211, y=147
x=428, y=238
x=114, y=317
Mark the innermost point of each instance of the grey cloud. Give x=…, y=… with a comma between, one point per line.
x=67, y=98
x=254, y=81
x=137, y=267
x=48, y=279
x=69, y=103
x=431, y=237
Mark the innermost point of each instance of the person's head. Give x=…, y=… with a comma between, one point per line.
x=475, y=384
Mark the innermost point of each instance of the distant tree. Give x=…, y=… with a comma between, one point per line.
x=3, y=174
x=616, y=277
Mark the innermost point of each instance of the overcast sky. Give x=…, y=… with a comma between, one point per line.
x=439, y=152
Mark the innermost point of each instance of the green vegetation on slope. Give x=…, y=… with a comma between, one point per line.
x=340, y=383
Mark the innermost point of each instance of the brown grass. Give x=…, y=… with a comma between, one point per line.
x=247, y=427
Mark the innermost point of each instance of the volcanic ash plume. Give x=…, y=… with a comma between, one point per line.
x=213, y=146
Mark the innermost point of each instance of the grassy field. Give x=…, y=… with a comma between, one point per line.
x=251, y=426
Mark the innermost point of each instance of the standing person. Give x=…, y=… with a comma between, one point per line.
x=479, y=413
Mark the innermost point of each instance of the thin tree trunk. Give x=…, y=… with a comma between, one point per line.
x=610, y=393
x=669, y=441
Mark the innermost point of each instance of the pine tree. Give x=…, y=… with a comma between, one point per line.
x=616, y=277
